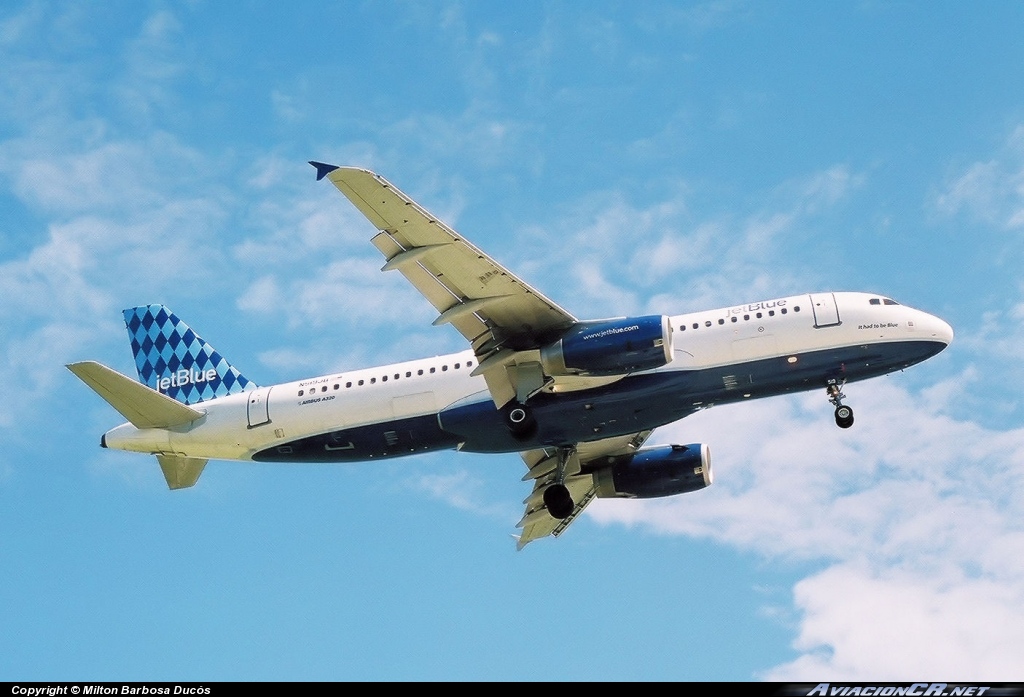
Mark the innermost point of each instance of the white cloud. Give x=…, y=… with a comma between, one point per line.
x=459, y=490
x=618, y=257
x=33, y=363
x=153, y=62
x=917, y=515
x=348, y=291
x=991, y=190
x=862, y=623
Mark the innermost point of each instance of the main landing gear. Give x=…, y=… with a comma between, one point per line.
x=844, y=414
x=519, y=420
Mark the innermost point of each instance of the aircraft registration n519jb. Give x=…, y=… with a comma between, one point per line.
x=578, y=399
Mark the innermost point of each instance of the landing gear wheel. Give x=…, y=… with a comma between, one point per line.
x=844, y=416
x=519, y=420
x=559, y=501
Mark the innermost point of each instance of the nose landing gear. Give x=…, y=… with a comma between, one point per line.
x=844, y=414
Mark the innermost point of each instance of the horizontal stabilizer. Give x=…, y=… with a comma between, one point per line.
x=142, y=406
x=181, y=472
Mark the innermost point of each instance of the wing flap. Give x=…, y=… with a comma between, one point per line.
x=539, y=523
x=541, y=467
x=485, y=302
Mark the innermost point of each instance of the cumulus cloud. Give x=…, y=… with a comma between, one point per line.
x=917, y=516
x=617, y=257
x=863, y=623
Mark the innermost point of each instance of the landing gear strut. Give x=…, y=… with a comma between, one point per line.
x=557, y=498
x=844, y=414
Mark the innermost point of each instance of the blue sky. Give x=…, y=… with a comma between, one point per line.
x=667, y=157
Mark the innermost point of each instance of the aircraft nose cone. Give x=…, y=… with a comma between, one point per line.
x=946, y=332
x=939, y=329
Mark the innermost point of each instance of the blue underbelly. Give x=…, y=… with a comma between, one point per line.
x=635, y=403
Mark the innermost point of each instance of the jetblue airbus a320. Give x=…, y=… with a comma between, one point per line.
x=577, y=399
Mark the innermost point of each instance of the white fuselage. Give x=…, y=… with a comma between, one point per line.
x=777, y=336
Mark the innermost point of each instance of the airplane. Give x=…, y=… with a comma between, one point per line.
x=577, y=399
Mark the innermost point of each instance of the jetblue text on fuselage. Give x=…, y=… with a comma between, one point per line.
x=753, y=307
x=186, y=377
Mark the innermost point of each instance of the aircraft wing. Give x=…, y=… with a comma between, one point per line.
x=501, y=316
x=541, y=464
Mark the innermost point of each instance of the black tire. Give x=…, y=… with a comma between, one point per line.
x=844, y=416
x=559, y=501
x=519, y=420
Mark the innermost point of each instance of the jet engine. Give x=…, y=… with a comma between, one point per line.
x=654, y=472
x=610, y=347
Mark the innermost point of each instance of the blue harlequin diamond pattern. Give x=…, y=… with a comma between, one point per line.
x=174, y=360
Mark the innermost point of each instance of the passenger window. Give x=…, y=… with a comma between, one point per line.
x=433, y=370
x=796, y=309
x=348, y=384
x=707, y=323
x=457, y=365
x=408, y=373
x=746, y=318
x=734, y=319
x=420, y=371
x=324, y=388
x=771, y=313
x=360, y=383
x=695, y=325
x=469, y=364
x=444, y=367
x=396, y=376
x=384, y=379
x=759, y=315
x=301, y=392
x=783, y=310
x=373, y=380
x=721, y=321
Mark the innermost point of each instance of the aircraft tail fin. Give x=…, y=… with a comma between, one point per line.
x=173, y=360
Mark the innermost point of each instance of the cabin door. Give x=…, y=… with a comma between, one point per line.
x=826, y=314
x=259, y=409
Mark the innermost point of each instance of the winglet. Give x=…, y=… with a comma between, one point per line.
x=322, y=169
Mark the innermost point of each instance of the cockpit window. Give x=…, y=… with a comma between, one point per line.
x=875, y=301
x=882, y=301
x=887, y=301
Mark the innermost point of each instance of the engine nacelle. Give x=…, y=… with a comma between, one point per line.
x=610, y=347
x=654, y=472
